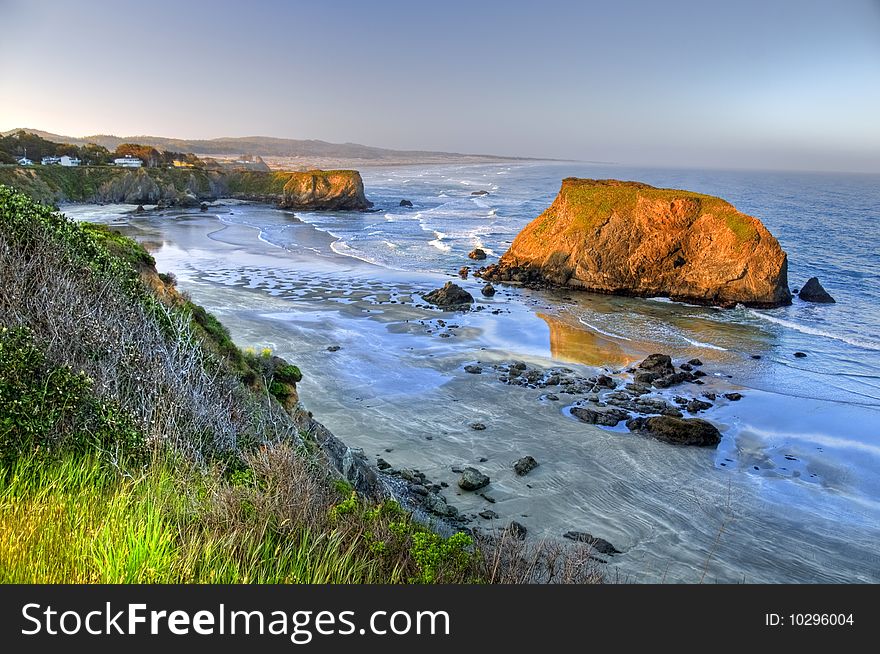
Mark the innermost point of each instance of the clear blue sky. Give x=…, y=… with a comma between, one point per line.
x=759, y=84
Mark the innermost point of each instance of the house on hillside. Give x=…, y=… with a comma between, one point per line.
x=50, y=161
x=24, y=161
x=69, y=161
x=128, y=162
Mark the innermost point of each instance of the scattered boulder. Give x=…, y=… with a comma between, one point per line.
x=695, y=362
x=488, y=514
x=140, y=209
x=334, y=348
x=451, y=296
x=488, y=290
x=524, y=465
x=800, y=355
x=604, y=381
x=695, y=406
x=406, y=203
x=599, y=545
x=678, y=431
x=477, y=426
x=203, y=207
x=608, y=417
x=479, y=192
x=517, y=530
x=464, y=271
x=733, y=397
x=477, y=254
x=472, y=479
x=472, y=369
x=382, y=464
x=813, y=292
x=654, y=367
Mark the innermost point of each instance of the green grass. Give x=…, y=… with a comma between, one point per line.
x=591, y=202
x=82, y=521
x=254, y=183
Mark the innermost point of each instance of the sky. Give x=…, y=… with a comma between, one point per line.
x=745, y=84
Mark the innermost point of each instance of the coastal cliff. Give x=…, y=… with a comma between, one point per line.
x=628, y=238
x=336, y=190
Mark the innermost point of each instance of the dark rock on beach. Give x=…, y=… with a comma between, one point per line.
x=517, y=530
x=472, y=369
x=464, y=271
x=800, y=355
x=451, y=296
x=733, y=397
x=678, y=431
x=524, y=465
x=607, y=417
x=479, y=192
x=406, y=203
x=477, y=254
x=472, y=479
x=599, y=545
x=813, y=292
x=477, y=426
x=488, y=290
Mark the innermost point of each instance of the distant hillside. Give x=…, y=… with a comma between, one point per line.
x=281, y=148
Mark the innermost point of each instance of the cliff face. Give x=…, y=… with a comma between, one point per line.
x=340, y=190
x=336, y=190
x=628, y=238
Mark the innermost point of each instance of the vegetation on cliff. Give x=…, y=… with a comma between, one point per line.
x=139, y=444
x=629, y=238
x=313, y=190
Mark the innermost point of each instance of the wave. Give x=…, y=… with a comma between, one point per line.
x=601, y=331
x=710, y=346
x=812, y=331
x=439, y=244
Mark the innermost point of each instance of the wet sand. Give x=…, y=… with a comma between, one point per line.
x=397, y=388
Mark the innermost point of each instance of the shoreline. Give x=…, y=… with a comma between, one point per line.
x=395, y=382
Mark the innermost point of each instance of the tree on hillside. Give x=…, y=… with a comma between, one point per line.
x=15, y=146
x=148, y=154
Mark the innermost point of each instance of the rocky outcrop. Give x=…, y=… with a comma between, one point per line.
x=678, y=431
x=451, y=296
x=477, y=254
x=629, y=238
x=813, y=292
x=317, y=190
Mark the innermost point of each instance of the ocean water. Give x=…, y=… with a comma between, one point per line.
x=794, y=484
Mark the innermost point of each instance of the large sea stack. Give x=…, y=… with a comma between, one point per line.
x=628, y=238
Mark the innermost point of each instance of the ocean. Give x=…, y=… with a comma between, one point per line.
x=792, y=493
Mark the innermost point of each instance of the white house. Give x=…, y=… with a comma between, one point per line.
x=24, y=161
x=50, y=161
x=69, y=161
x=128, y=162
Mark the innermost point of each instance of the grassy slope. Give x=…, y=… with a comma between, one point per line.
x=593, y=202
x=50, y=184
x=94, y=489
